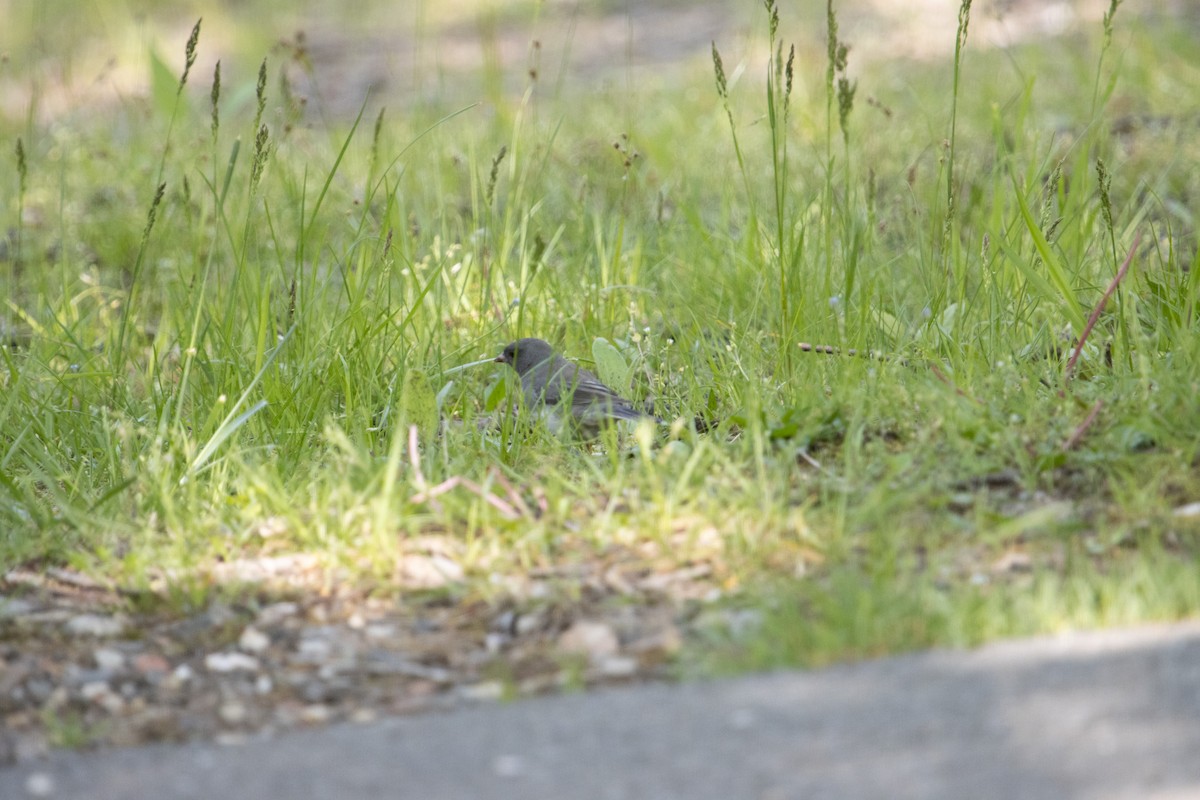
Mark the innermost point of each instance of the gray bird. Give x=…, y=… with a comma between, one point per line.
x=550, y=382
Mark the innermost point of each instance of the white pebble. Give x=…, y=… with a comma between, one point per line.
x=230, y=662
x=253, y=640
x=39, y=784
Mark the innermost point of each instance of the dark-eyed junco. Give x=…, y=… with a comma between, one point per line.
x=552, y=384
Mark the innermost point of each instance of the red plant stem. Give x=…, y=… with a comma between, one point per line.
x=1091, y=323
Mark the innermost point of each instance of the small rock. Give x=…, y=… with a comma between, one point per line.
x=315, y=713
x=95, y=625
x=504, y=622
x=618, y=667
x=232, y=713
x=90, y=691
x=181, y=675
x=428, y=572
x=39, y=784
x=658, y=645
x=363, y=715
x=1187, y=510
x=100, y=694
x=39, y=689
x=264, y=684
x=108, y=659
x=253, y=640
x=11, y=608
x=314, y=692
x=58, y=698
x=75, y=675
x=314, y=650
x=382, y=662
x=530, y=623
x=151, y=664
x=485, y=690
x=230, y=662
x=596, y=640
x=277, y=613
x=380, y=630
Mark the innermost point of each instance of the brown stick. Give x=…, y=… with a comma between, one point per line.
x=830, y=350
x=1077, y=434
x=1091, y=323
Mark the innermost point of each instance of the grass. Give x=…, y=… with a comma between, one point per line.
x=224, y=325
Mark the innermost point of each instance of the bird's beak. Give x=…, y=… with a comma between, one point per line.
x=500, y=359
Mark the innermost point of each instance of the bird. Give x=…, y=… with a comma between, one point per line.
x=551, y=382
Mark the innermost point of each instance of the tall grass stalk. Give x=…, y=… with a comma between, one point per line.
x=950, y=262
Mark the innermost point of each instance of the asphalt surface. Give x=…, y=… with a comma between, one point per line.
x=1113, y=714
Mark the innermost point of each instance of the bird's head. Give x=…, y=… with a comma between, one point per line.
x=525, y=354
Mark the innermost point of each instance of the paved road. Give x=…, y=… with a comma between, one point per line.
x=1101, y=715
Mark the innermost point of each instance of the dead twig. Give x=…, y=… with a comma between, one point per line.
x=503, y=507
x=1099, y=309
x=506, y=509
x=512, y=493
x=830, y=350
x=1077, y=434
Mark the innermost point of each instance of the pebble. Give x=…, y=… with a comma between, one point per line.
x=363, y=715
x=75, y=675
x=483, y=691
x=379, y=630
x=151, y=664
x=95, y=625
x=277, y=613
x=108, y=659
x=530, y=623
x=618, y=667
x=182, y=674
x=232, y=713
x=314, y=651
x=39, y=784
x=315, y=713
x=102, y=695
x=314, y=692
x=230, y=662
x=596, y=640
x=253, y=640
x=504, y=622
x=39, y=689
x=1188, y=510
x=90, y=691
x=12, y=608
x=429, y=572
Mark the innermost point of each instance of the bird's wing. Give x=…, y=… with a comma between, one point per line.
x=589, y=398
x=592, y=395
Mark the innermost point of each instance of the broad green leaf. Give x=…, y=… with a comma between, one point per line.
x=610, y=366
x=164, y=86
